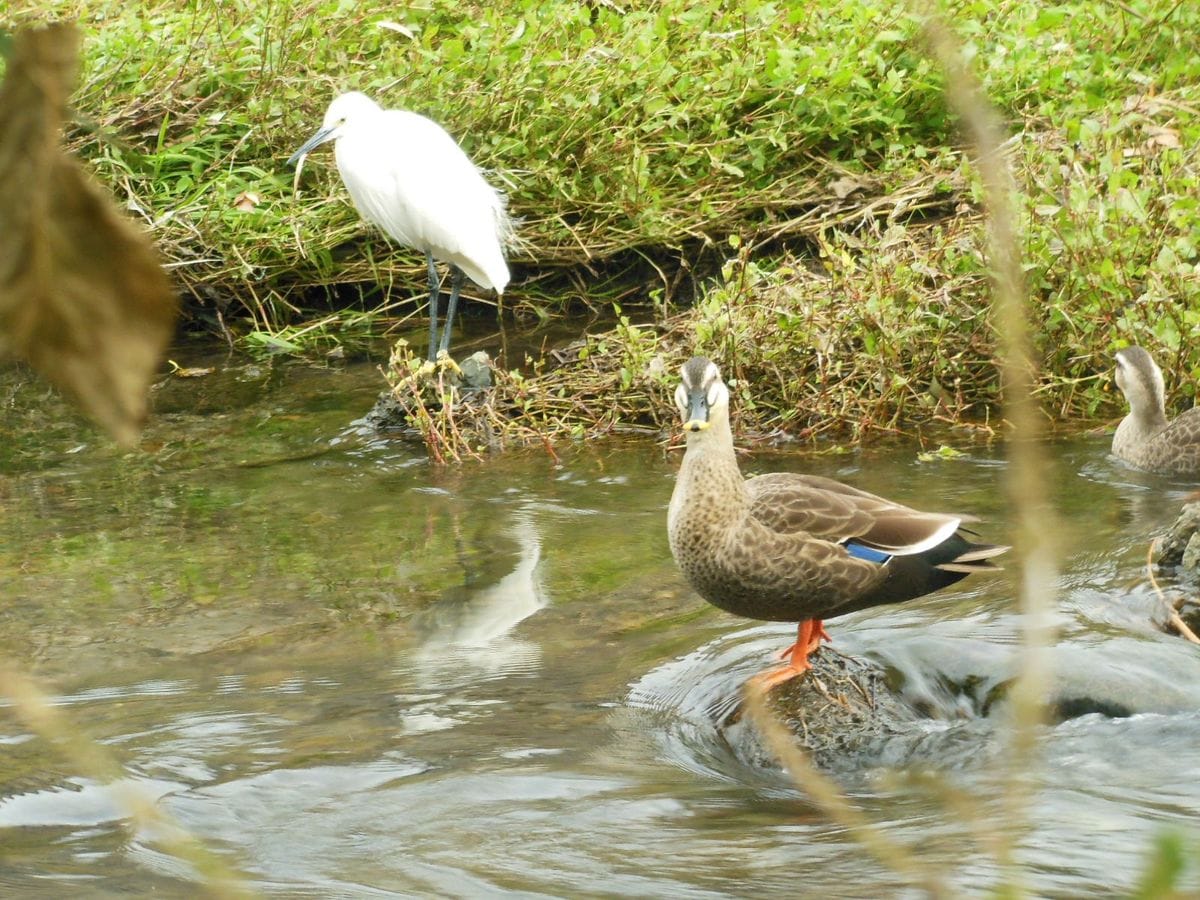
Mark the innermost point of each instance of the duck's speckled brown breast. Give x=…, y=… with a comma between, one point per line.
x=739, y=565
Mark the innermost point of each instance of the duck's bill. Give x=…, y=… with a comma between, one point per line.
x=697, y=412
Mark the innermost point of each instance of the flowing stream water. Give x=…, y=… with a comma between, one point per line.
x=352, y=673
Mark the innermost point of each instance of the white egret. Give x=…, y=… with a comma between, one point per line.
x=406, y=175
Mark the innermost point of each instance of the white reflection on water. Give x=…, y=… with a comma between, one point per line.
x=466, y=638
x=485, y=617
x=81, y=801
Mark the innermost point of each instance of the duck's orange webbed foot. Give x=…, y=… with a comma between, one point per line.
x=811, y=633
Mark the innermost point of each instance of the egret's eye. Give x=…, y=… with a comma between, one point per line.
x=681, y=398
x=713, y=393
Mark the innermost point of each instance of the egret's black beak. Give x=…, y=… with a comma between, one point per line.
x=697, y=414
x=311, y=144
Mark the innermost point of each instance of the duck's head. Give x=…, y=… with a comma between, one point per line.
x=702, y=397
x=343, y=111
x=1141, y=381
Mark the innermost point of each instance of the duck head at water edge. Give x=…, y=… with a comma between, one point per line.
x=1145, y=438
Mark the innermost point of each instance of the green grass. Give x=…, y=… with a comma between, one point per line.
x=637, y=134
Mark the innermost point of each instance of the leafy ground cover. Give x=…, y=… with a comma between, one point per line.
x=786, y=175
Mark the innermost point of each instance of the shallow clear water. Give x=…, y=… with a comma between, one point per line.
x=355, y=674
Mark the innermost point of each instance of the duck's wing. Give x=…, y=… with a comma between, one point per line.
x=1183, y=431
x=789, y=503
x=1173, y=450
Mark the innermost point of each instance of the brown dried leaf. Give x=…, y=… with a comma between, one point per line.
x=246, y=201
x=847, y=185
x=83, y=297
x=1163, y=136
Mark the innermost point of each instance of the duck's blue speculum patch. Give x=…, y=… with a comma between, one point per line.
x=870, y=554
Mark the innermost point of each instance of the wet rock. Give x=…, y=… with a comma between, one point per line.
x=388, y=414
x=853, y=716
x=1179, y=551
x=393, y=410
x=1180, y=546
x=476, y=372
x=841, y=711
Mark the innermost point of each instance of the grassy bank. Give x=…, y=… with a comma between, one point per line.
x=787, y=172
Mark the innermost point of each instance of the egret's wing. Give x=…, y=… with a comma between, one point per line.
x=409, y=177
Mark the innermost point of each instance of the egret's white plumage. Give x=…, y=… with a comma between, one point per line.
x=409, y=177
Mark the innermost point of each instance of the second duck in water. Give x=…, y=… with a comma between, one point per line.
x=1145, y=438
x=796, y=548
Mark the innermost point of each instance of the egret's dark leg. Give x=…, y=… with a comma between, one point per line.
x=435, y=289
x=456, y=282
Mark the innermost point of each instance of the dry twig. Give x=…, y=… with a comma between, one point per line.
x=1173, y=616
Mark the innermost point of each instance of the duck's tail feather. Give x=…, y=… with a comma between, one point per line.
x=976, y=558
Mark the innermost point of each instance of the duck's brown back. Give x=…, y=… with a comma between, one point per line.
x=1173, y=450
